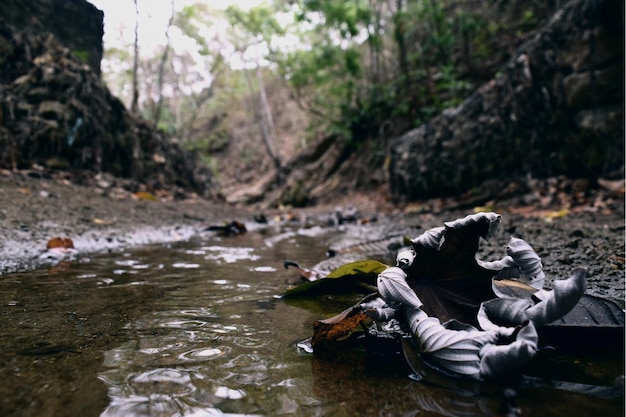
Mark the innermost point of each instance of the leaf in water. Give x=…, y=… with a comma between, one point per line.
x=451, y=284
x=233, y=228
x=59, y=249
x=593, y=324
x=305, y=273
x=338, y=328
x=359, y=276
x=359, y=268
x=445, y=274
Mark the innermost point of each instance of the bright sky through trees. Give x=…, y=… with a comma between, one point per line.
x=119, y=18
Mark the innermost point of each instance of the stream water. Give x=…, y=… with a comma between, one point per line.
x=195, y=329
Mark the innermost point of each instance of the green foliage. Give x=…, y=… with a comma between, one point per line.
x=363, y=69
x=189, y=20
x=358, y=276
x=260, y=21
x=83, y=56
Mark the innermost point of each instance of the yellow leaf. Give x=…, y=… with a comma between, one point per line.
x=555, y=214
x=143, y=195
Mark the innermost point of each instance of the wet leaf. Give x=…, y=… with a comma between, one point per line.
x=359, y=268
x=452, y=283
x=359, y=276
x=338, y=328
x=305, y=273
x=593, y=324
x=445, y=273
x=228, y=229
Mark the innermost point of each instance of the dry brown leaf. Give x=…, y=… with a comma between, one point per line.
x=337, y=328
x=60, y=242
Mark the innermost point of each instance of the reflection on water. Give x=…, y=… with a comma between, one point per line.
x=195, y=330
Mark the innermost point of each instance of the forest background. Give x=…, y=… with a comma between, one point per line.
x=293, y=102
x=249, y=89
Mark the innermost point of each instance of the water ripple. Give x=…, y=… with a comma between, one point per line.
x=183, y=324
x=168, y=381
x=229, y=255
x=249, y=342
x=204, y=354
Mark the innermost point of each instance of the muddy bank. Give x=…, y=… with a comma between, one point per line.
x=96, y=218
x=104, y=215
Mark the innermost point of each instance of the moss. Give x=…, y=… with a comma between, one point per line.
x=82, y=56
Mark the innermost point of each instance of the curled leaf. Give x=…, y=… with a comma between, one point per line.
x=560, y=300
x=457, y=347
x=445, y=273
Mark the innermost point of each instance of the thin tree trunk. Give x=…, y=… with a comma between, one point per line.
x=260, y=112
x=159, y=104
x=266, y=111
x=400, y=37
x=135, y=99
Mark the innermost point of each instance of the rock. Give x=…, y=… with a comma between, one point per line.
x=75, y=23
x=554, y=109
x=54, y=107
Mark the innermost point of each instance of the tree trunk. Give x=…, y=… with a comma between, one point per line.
x=156, y=116
x=263, y=115
x=135, y=99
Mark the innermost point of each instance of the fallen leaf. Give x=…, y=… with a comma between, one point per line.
x=452, y=284
x=594, y=324
x=445, y=274
x=142, y=195
x=305, y=273
x=549, y=216
x=338, y=328
x=615, y=186
x=229, y=229
x=60, y=242
x=359, y=276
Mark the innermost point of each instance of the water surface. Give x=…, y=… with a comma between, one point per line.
x=195, y=329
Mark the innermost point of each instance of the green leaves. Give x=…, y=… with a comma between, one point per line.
x=357, y=277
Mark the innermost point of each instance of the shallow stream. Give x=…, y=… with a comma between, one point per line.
x=195, y=329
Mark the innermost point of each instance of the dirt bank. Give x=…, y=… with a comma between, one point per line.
x=105, y=213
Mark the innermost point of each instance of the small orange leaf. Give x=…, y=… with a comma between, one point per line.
x=60, y=242
x=337, y=328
